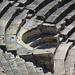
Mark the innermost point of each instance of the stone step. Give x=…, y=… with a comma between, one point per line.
x=49, y=7
x=67, y=31
x=16, y=4
x=12, y=30
x=22, y=1
x=5, y=66
x=30, y=67
x=64, y=10
x=4, y=7
x=55, y=7
x=40, y=71
x=35, y=5
x=72, y=38
x=12, y=63
x=18, y=21
x=66, y=20
x=8, y=56
x=14, y=67
x=5, y=21
x=21, y=65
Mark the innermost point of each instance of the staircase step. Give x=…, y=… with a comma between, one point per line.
x=18, y=21
x=5, y=21
x=22, y=1
x=34, y=5
x=30, y=67
x=67, y=31
x=4, y=64
x=21, y=66
x=4, y=7
x=49, y=7
x=57, y=15
x=14, y=67
x=72, y=38
x=8, y=56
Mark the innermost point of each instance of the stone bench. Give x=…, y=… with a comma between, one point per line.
x=4, y=22
x=3, y=7
x=67, y=31
x=46, y=9
x=57, y=15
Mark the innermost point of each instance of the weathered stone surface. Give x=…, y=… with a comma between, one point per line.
x=60, y=57
x=40, y=34
x=11, y=42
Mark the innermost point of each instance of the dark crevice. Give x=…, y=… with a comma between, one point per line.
x=13, y=52
x=3, y=48
x=1, y=1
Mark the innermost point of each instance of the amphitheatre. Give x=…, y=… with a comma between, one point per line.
x=37, y=37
